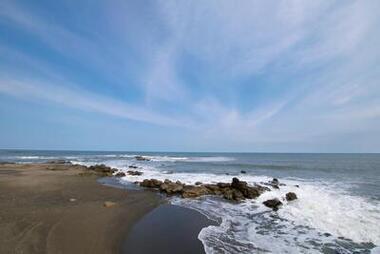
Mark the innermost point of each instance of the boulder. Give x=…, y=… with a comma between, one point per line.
x=273, y=203
x=190, y=191
x=133, y=166
x=134, y=173
x=102, y=170
x=120, y=174
x=247, y=191
x=223, y=185
x=291, y=196
x=243, y=172
x=151, y=183
x=233, y=194
x=198, y=183
x=213, y=189
x=171, y=188
x=141, y=158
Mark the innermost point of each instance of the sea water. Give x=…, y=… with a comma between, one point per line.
x=337, y=210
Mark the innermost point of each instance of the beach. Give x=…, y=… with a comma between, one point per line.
x=54, y=202
x=49, y=208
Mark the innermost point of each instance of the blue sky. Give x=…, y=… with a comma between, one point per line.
x=259, y=76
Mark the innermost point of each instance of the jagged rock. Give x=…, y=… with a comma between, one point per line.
x=109, y=204
x=223, y=185
x=243, y=172
x=273, y=203
x=247, y=191
x=291, y=196
x=171, y=188
x=198, y=183
x=213, y=189
x=152, y=183
x=103, y=169
x=120, y=174
x=190, y=191
x=233, y=194
x=141, y=158
x=134, y=173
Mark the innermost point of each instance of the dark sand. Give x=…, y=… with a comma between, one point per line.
x=167, y=229
x=37, y=216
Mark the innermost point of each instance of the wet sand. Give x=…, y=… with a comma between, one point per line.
x=167, y=229
x=51, y=209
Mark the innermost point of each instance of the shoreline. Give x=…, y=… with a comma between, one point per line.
x=55, y=208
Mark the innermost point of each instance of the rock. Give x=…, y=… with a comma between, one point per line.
x=152, y=183
x=171, y=188
x=223, y=185
x=134, y=173
x=120, y=174
x=141, y=158
x=233, y=194
x=109, y=204
x=167, y=181
x=198, y=183
x=103, y=170
x=296, y=186
x=133, y=166
x=213, y=189
x=291, y=196
x=247, y=191
x=275, y=181
x=273, y=203
x=243, y=172
x=190, y=191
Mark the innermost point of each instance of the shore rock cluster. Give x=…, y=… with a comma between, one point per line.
x=236, y=190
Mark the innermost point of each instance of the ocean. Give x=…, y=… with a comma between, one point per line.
x=337, y=210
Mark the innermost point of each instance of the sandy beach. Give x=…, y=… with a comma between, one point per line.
x=45, y=210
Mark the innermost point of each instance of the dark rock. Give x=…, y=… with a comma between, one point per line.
x=243, y=172
x=291, y=196
x=198, y=183
x=152, y=183
x=213, y=189
x=134, y=173
x=233, y=194
x=133, y=166
x=102, y=170
x=273, y=203
x=223, y=185
x=171, y=188
x=120, y=174
x=296, y=186
x=141, y=158
x=190, y=191
x=275, y=181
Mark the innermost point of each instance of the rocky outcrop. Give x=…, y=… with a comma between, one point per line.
x=102, y=170
x=120, y=174
x=141, y=158
x=191, y=191
x=273, y=203
x=236, y=190
x=290, y=196
x=134, y=173
x=151, y=183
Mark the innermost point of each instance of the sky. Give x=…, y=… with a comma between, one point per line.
x=212, y=75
